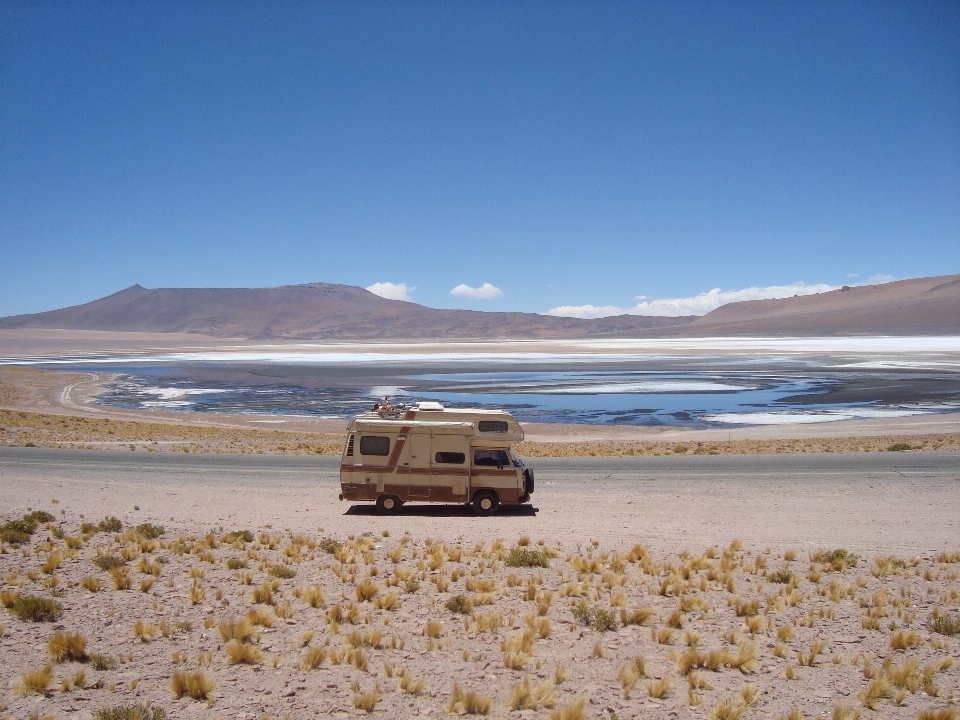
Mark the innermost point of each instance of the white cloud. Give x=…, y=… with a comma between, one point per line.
x=879, y=279
x=586, y=311
x=853, y=275
x=696, y=305
x=392, y=291
x=484, y=292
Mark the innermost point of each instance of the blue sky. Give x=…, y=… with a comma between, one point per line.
x=566, y=154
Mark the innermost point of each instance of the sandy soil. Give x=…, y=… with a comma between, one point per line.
x=719, y=621
x=325, y=623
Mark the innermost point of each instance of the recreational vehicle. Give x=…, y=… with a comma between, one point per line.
x=428, y=453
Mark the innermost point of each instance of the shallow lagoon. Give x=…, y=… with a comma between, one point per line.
x=710, y=382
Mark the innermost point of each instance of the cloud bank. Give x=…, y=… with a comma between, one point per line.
x=392, y=291
x=696, y=305
x=484, y=292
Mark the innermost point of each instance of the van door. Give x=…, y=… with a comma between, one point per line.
x=450, y=475
x=418, y=469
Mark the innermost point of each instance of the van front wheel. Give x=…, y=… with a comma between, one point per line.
x=485, y=502
x=388, y=504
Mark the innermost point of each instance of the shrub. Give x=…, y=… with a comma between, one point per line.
x=110, y=524
x=944, y=624
x=131, y=712
x=241, y=535
x=782, y=576
x=899, y=447
x=236, y=564
x=108, y=562
x=526, y=557
x=282, y=571
x=329, y=545
x=836, y=558
x=148, y=531
x=36, y=609
x=102, y=662
x=460, y=604
x=596, y=618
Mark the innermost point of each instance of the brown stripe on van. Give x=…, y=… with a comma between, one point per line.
x=398, y=447
x=411, y=414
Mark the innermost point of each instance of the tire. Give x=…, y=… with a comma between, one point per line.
x=486, y=502
x=388, y=504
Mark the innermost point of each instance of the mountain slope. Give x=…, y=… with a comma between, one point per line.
x=922, y=306
x=318, y=311
x=322, y=311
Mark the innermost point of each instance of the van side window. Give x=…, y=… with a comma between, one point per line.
x=451, y=458
x=490, y=458
x=374, y=445
x=492, y=426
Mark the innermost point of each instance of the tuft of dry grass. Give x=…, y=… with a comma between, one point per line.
x=525, y=696
x=263, y=594
x=727, y=709
x=145, y=631
x=195, y=685
x=366, y=590
x=432, y=629
x=641, y=616
x=240, y=653
x=366, y=701
x=411, y=685
x=905, y=639
x=67, y=647
x=468, y=701
x=877, y=689
x=845, y=711
x=807, y=659
x=37, y=681
x=574, y=711
x=659, y=688
x=241, y=630
x=313, y=658
x=937, y=714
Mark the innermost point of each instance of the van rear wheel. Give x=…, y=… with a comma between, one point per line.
x=485, y=502
x=388, y=504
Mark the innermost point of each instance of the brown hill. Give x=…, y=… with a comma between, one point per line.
x=922, y=306
x=318, y=311
x=321, y=311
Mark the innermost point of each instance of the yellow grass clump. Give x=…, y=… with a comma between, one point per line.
x=194, y=685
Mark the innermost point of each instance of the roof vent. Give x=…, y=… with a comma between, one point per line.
x=429, y=405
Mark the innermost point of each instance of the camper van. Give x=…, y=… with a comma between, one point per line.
x=428, y=453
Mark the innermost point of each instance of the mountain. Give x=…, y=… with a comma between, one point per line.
x=318, y=311
x=322, y=311
x=922, y=306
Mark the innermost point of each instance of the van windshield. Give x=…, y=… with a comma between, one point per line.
x=517, y=462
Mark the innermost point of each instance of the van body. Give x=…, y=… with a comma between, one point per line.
x=427, y=453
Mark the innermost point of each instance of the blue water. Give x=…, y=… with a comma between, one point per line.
x=693, y=390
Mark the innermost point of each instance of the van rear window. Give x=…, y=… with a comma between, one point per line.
x=451, y=458
x=492, y=426
x=374, y=445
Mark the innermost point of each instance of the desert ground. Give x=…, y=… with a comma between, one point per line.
x=232, y=586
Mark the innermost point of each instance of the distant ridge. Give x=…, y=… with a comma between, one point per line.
x=922, y=306
x=317, y=311
x=323, y=311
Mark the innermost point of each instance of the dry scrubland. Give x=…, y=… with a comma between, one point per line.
x=31, y=429
x=251, y=623
x=18, y=428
